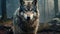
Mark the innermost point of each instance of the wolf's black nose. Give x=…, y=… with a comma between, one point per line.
x=28, y=18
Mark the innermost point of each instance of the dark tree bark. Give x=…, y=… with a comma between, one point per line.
x=3, y=8
x=44, y=10
x=56, y=7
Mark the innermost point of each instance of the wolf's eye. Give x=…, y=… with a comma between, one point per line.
x=21, y=13
x=34, y=13
x=25, y=9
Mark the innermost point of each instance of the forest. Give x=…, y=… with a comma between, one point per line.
x=49, y=10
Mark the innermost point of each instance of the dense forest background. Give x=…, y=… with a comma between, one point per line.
x=48, y=8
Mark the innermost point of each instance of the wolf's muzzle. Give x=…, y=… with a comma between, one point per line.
x=28, y=18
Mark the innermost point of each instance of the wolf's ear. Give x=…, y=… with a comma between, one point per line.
x=34, y=2
x=21, y=2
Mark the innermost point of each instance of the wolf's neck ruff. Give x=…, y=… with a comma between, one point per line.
x=25, y=25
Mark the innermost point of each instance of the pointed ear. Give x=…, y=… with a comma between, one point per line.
x=21, y=2
x=34, y=2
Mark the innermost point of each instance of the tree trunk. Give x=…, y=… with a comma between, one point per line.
x=56, y=6
x=3, y=8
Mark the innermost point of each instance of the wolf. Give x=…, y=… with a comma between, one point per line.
x=26, y=18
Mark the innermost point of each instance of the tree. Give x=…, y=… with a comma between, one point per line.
x=3, y=8
x=56, y=7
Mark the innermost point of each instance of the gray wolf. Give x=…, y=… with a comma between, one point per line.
x=26, y=18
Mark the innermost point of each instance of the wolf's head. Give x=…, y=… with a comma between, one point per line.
x=28, y=9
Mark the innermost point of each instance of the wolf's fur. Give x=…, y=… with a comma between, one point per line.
x=20, y=22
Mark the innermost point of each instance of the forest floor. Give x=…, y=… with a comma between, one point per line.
x=8, y=23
